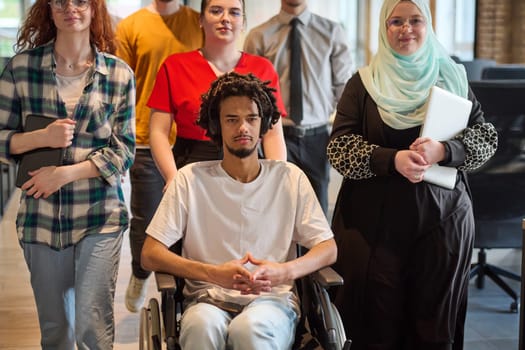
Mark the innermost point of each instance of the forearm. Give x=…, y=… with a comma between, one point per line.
x=82, y=170
x=157, y=257
x=319, y=256
x=273, y=143
x=351, y=156
x=26, y=141
x=163, y=157
x=480, y=142
x=48, y=180
x=477, y=143
x=78, y=171
x=160, y=127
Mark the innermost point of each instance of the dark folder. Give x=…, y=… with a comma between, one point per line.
x=40, y=157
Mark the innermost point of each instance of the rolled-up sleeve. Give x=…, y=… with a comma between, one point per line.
x=117, y=157
x=10, y=115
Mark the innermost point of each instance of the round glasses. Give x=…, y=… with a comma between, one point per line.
x=398, y=22
x=218, y=11
x=61, y=5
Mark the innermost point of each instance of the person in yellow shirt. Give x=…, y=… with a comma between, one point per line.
x=145, y=39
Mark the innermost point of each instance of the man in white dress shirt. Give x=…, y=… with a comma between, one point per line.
x=325, y=67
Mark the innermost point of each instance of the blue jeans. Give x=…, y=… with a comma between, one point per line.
x=74, y=291
x=265, y=323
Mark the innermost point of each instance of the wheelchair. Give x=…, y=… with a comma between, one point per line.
x=320, y=326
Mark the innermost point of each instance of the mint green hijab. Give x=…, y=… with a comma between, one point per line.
x=400, y=85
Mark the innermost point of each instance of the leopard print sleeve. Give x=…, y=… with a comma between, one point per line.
x=350, y=156
x=481, y=142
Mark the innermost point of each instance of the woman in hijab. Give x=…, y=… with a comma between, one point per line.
x=405, y=244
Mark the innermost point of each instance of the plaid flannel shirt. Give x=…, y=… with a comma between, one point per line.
x=104, y=134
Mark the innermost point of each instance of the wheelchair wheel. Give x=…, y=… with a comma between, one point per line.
x=342, y=341
x=144, y=329
x=150, y=337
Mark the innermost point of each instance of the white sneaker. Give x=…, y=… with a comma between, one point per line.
x=135, y=294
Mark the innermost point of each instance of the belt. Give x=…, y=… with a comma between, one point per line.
x=302, y=131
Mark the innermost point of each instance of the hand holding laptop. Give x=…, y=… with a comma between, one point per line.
x=411, y=165
x=446, y=116
x=432, y=150
x=61, y=133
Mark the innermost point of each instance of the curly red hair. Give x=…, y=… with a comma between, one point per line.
x=38, y=27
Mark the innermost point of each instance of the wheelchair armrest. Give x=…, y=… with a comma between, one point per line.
x=165, y=282
x=327, y=277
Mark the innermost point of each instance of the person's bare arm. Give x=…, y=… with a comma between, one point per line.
x=319, y=256
x=157, y=257
x=58, y=134
x=47, y=180
x=160, y=127
x=273, y=142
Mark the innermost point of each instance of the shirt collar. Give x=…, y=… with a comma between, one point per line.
x=47, y=60
x=285, y=18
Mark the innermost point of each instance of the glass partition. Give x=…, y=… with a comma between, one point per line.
x=10, y=15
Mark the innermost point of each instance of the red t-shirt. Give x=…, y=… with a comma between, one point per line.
x=184, y=77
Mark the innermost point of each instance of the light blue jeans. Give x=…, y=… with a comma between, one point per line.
x=74, y=291
x=265, y=323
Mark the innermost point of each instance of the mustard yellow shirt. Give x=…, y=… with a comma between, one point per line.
x=144, y=40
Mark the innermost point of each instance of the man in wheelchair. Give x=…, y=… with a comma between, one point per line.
x=239, y=220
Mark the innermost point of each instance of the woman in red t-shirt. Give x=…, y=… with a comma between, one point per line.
x=183, y=78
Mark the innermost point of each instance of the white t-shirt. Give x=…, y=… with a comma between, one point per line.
x=71, y=88
x=220, y=219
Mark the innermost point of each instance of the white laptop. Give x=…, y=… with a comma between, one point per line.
x=446, y=116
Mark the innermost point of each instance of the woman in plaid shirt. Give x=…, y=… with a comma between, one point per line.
x=72, y=216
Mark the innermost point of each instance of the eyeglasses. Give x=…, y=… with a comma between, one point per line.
x=218, y=11
x=398, y=22
x=61, y=5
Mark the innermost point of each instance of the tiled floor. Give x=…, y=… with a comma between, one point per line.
x=490, y=325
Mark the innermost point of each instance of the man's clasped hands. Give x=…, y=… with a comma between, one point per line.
x=235, y=274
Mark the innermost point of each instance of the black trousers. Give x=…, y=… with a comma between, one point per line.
x=403, y=289
x=146, y=192
x=309, y=153
x=190, y=151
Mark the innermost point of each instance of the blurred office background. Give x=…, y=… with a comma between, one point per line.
x=489, y=29
x=484, y=31
x=454, y=21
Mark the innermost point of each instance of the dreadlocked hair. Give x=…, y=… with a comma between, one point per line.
x=235, y=84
